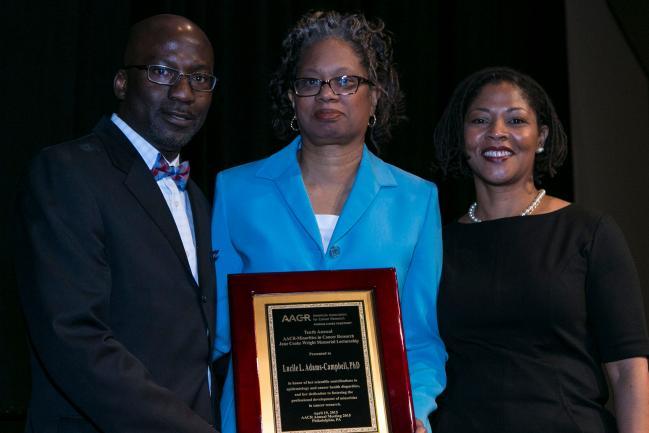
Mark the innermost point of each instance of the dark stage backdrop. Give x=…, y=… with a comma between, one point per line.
x=60, y=58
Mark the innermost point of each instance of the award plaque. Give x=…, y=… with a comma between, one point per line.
x=319, y=352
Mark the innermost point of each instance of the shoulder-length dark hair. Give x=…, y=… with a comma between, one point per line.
x=374, y=47
x=448, y=138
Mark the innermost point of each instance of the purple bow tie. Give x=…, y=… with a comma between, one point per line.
x=179, y=174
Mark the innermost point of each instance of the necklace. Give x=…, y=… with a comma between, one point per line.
x=528, y=210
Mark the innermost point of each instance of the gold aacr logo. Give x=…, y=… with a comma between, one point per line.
x=296, y=318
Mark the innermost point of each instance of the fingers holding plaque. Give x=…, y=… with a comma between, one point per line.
x=320, y=353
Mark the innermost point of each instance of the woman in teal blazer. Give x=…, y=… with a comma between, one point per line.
x=265, y=211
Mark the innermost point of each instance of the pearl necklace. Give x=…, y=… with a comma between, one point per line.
x=528, y=210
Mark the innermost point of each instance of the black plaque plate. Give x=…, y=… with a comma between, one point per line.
x=320, y=366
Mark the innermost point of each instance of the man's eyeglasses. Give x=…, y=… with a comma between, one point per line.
x=343, y=85
x=160, y=74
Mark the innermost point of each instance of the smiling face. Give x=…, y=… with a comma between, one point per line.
x=327, y=118
x=501, y=135
x=166, y=116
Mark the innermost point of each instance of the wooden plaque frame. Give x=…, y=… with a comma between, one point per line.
x=376, y=289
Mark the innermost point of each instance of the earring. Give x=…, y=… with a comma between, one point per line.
x=293, y=125
x=540, y=150
x=372, y=121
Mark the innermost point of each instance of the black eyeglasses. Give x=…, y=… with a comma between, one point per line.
x=343, y=85
x=160, y=74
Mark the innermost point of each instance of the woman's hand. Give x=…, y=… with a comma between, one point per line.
x=630, y=382
x=419, y=426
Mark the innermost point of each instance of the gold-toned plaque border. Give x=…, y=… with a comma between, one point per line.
x=269, y=398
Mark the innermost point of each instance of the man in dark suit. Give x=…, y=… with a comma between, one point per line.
x=113, y=253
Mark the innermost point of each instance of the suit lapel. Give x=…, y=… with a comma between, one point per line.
x=284, y=170
x=373, y=174
x=200, y=217
x=206, y=279
x=141, y=184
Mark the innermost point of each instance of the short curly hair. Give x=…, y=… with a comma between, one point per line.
x=448, y=137
x=370, y=41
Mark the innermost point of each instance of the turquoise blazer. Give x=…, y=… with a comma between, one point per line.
x=263, y=222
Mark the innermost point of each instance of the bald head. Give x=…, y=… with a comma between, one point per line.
x=166, y=115
x=159, y=29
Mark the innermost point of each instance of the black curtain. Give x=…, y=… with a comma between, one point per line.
x=59, y=59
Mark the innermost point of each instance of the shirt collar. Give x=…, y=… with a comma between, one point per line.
x=146, y=150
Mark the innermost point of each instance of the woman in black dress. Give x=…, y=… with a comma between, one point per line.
x=539, y=297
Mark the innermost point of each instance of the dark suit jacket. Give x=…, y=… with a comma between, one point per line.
x=120, y=331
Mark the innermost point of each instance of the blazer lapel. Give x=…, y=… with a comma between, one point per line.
x=206, y=279
x=373, y=174
x=141, y=184
x=284, y=170
x=201, y=233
